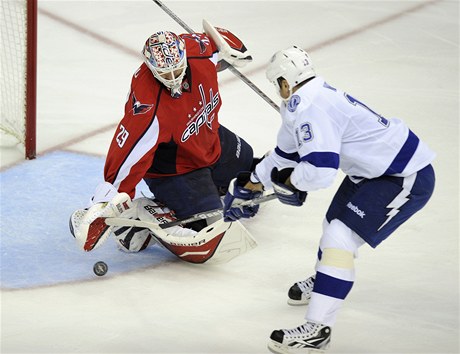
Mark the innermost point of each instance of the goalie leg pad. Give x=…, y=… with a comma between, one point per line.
x=136, y=239
x=133, y=239
x=218, y=243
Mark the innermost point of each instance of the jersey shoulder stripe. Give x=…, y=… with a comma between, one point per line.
x=293, y=156
x=322, y=159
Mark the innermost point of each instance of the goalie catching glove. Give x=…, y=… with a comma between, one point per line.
x=88, y=225
x=235, y=195
x=283, y=188
x=231, y=48
x=90, y=230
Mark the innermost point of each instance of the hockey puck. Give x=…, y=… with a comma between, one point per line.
x=100, y=268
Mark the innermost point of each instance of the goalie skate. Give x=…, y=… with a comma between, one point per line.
x=300, y=292
x=309, y=338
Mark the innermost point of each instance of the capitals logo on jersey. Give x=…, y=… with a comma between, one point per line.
x=138, y=107
x=204, y=116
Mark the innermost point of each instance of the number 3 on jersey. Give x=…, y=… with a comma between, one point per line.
x=122, y=136
x=304, y=133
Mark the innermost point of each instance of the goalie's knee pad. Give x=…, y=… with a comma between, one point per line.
x=153, y=211
x=133, y=239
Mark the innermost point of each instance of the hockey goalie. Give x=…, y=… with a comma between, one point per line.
x=170, y=137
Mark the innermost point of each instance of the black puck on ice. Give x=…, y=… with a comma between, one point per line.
x=100, y=268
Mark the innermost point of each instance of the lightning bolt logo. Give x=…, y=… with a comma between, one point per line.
x=401, y=199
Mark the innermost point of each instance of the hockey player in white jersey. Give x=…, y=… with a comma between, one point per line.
x=389, y=177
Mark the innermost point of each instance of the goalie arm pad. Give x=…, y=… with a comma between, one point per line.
x=231, y=48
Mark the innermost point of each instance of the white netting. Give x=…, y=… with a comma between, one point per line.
x=13, y=20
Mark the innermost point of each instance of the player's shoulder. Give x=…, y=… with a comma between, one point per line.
x=314, y=93
x=142, y=74
x=144, y=83
x=198, y=45
x=298, y=104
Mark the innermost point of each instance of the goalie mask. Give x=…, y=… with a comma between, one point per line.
x=165, y=55
x=292, y=64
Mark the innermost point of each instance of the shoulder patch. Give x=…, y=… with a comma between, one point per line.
x=138, y=107
x=293, y=103
x=200, y=39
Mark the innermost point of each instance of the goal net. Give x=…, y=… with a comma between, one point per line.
x=18, y=41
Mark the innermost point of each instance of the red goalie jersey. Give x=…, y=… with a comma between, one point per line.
x=164, y=136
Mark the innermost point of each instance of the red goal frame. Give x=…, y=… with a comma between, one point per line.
x=31, y=81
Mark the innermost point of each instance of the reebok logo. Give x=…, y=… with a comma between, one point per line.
x=355, y=209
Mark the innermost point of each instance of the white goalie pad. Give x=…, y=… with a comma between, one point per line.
x=136, y=239
x=132, y=239
x=218, y=243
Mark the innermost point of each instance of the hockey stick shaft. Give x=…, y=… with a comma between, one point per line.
x=195, y=217
x=234, y=71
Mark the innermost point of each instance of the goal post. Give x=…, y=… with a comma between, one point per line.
x=18, y=23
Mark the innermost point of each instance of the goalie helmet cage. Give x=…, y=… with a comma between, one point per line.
x=19, y=72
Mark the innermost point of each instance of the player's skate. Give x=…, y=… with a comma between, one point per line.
x=305, y=339
x=300, y=292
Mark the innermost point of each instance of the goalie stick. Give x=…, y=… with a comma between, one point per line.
x=233, y=70
x=199, y=216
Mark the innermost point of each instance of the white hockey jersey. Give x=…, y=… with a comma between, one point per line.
x=324, y=129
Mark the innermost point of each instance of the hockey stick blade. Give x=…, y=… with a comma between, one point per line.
x=195, y=217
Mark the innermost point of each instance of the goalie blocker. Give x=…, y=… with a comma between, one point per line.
x=217, y=243
x=232, y=51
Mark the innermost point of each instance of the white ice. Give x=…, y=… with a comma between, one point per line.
x=400, y=57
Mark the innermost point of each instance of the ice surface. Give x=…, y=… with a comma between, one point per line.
x=401, y=58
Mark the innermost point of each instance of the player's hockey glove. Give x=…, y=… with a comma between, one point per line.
x=286, y=194
x=237, y=194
